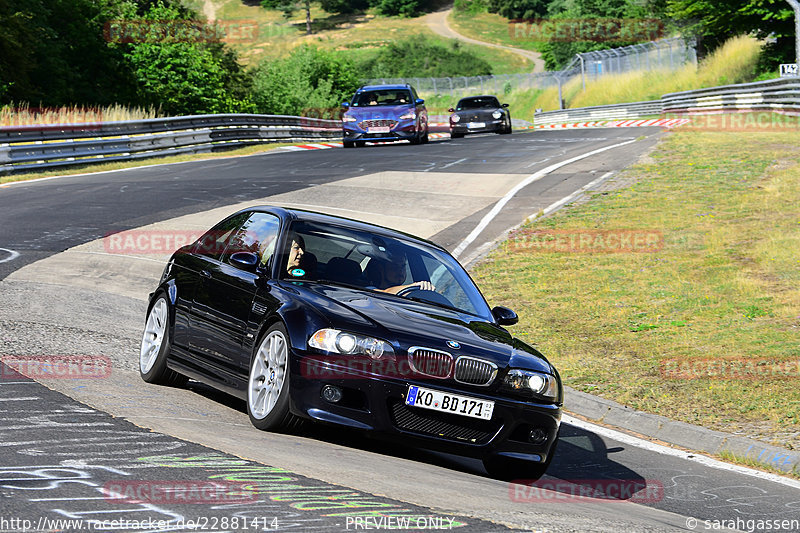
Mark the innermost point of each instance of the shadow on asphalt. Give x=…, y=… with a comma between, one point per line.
x=582, y=462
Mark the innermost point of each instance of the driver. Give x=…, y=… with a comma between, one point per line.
x=388, y=276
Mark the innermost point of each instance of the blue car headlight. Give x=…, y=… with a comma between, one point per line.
x=410, y=115
x=348, y=118
x=342, y=342
x=529, y=382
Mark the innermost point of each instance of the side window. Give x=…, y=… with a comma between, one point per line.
x=258, y=235
x=213, y=243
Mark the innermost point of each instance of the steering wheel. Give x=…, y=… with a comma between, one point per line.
x=409, y=289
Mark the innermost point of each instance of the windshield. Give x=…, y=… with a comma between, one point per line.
x=344, y=256
x=383, y=97
x=484, y=102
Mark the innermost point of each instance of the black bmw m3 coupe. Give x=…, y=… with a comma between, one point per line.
x=310, y=316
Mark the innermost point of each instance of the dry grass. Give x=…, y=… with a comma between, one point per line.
x=734, y=62
x=724, y=286
x=25, y=115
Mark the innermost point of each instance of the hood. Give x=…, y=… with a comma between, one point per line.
x=477, y=114
x=408, y=323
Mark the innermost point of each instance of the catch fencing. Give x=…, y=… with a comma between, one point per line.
x=781, y=96
x=24, y=148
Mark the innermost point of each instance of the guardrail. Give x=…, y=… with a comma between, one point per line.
x=782, y=95
x=37, y=147
x=601, y=112
x=771, y=95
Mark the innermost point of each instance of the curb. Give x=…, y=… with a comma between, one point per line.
x=607, y=412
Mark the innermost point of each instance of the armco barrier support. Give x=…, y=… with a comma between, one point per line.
x=26, y=148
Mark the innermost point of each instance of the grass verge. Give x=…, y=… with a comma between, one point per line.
x=488, y=27
x=92, y=168
x=722, y=290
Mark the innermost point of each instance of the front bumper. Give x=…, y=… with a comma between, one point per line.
x=405, y=130
x=489, y=127
x=377, y=404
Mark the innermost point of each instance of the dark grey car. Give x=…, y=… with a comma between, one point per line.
x=479, y=114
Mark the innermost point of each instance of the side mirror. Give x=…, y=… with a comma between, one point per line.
x=345, y=105
x=451, y=110
x=245, y=260
x=420, y=101
x=505, y=316
x=505, y=105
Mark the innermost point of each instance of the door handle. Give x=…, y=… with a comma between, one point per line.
x=205, y=273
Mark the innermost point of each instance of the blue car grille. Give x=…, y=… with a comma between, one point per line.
x=444, y=425
x=364, y=124
x=475, y=371
x=431, y=362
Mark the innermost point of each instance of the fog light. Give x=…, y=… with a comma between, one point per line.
x=537, y=436
x=331, y=394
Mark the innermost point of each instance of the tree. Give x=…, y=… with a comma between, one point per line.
x=289, y=7
x=180, y=67
x=308, y=78
x=713, y=22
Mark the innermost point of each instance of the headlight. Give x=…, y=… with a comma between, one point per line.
x=410, y=115
x=529, y=382
x=348, y=118
x=455, y=118
x=336, y=341
x=497, y=114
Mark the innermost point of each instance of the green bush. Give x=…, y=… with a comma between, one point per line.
x=186, y=76
x=418, y=57
x=308, y=78
x=471, y=6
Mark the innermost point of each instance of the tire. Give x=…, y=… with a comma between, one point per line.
x=156, y=344
x=268, y=381
x=425, y=139
x=361, y=144
x=508, y=469
x=348, y=144
x=456, y=135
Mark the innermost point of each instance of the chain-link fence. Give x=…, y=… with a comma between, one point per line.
x=662, y=54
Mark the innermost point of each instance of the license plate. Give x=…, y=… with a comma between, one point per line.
x=449, y=403
x=379, y=129
x=476, y=125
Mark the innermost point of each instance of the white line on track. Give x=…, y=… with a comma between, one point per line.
x=521, y=185
x=11, y=255
x=704, y=460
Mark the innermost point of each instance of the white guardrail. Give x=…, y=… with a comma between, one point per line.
x=26, y=148
x=781, y=95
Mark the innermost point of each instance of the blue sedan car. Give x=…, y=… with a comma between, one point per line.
x=384, y=113
x=311, y=316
